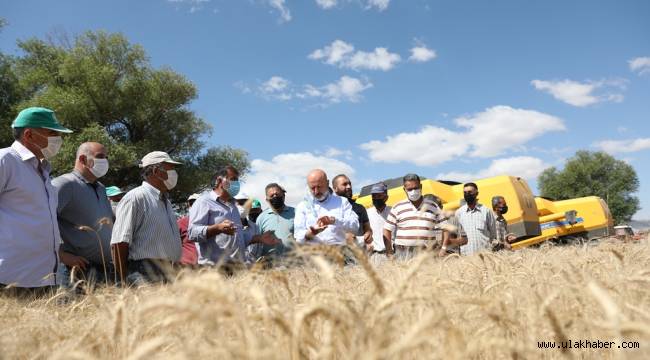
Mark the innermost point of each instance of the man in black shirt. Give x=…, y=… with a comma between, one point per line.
x=343, y=187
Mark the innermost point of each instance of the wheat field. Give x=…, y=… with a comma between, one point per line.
x=494, y=305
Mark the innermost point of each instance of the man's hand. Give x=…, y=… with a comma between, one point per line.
x=442, y=252
x=507, y=246
x=511, y=238
x=367, y=237
x=325, y=221
x=73, y=260
x=268, y=238
x=226, y=227
x=370, y=247
x=315, y=230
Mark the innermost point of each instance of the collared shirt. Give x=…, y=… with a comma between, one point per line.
x=362, y=214
x=29, y=232
x=377, y=221
x=309, y=211
x=208, y=210
x=82, y=203
x=146, y=221
x=281, y=224
x=479, y=226
x=501, y=229
x=413, y=226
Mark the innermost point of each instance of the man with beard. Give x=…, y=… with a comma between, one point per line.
x=343, y=187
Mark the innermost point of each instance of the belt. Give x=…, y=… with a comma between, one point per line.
x=410, y=248
x=379, y=252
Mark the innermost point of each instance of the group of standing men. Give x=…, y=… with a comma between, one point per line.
x=70, y=219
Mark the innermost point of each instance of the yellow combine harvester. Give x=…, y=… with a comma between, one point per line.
x=533, y=220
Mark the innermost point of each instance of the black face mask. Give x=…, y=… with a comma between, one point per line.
x=379, y=203
x=470, y=199
x=503, y=210
x=277, y=202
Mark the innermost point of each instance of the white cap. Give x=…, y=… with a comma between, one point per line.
x=242, y=196
x=157, y=157
x=193, y=197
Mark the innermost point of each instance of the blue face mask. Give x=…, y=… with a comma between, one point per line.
x=233, y=188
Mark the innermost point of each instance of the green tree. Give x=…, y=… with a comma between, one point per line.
x=105, y=89
x=10, y=94
x=595, y=173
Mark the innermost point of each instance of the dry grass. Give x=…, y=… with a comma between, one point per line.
x=489, y=306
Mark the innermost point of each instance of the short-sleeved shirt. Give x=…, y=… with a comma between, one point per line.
x=377, y=221
x=415, y=226
x=281, y=224
x=208, y=210
x=362, y=214
x=29, y=231
x=146, y=221
x=82, y=203
x=479, y=226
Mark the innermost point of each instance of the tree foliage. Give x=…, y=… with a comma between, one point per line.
x=105, y=89
x=595, y=173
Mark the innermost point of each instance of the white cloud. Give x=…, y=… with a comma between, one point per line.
x=380, y=5
x=342, y=54
x=290, y=171
x=276, y=88
x=500, y=128
x=623, y=146
x=522, y=166
x=422, y=54
x=641, y=65
x=429, y=146
x=485, y=134
x=192, y=5
x=333, y=152
x=280, y=6
x=581, y=94
x=327, y=4
x=346, y=89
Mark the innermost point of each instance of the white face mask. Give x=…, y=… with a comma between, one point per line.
x=53, y=146
x=414, y=195
x=100, y=167
x=172, y=179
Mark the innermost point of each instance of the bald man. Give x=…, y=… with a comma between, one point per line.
x=323, y=217
x=85, y=215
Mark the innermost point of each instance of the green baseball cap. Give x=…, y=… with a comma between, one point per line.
x=113, y=191
x=38, y=117
x=256, y=204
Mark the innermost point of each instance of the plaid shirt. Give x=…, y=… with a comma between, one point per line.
x=502, y=229
x=479, y=225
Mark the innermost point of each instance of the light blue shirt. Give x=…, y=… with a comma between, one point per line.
x=309, y=211
x=281, y=224
x=208, y=210
x=29, y=232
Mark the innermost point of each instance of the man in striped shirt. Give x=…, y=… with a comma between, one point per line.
x=145, y=240
x=413, y=221
x=477, y=221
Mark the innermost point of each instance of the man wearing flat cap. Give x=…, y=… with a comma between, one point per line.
x=29, y=232
x=377, y=215
x=146, y=240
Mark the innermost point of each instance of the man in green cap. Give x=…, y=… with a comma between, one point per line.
x=115, y=194
x=29, y=233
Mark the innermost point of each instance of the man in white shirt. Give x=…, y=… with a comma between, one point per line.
x=323, y=217
x=377, y=215
x=29, y=231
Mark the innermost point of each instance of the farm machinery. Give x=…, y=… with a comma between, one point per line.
x=532, y=219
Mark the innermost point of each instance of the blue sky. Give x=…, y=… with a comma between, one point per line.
x=379, y=88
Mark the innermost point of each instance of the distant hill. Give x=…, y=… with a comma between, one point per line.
x=640, y=225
